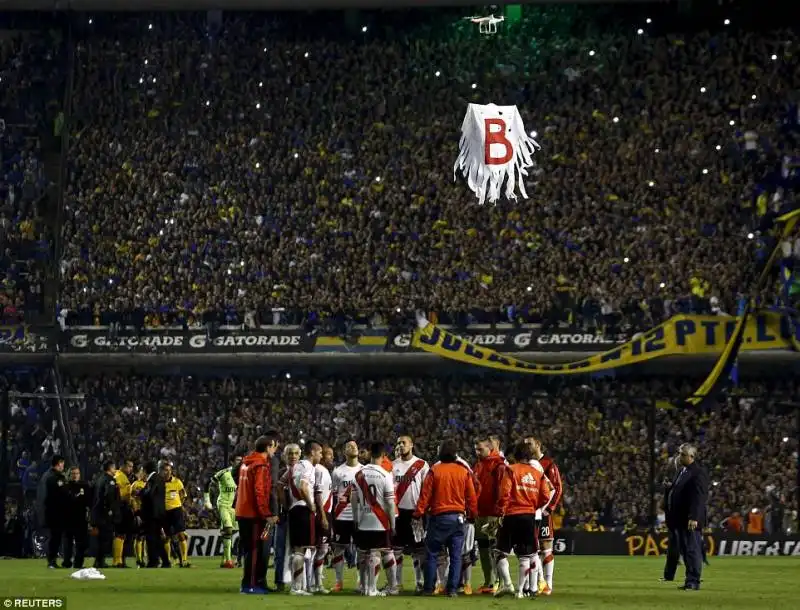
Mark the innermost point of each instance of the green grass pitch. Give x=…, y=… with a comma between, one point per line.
x=623, y=583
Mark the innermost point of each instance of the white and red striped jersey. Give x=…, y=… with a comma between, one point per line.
x=374, y=492
x=343, y=478
x=323, y=486
x=408, y=478
x=302, y=471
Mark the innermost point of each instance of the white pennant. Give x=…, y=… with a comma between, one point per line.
x=486, y=126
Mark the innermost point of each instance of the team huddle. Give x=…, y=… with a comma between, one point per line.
x=376, y=513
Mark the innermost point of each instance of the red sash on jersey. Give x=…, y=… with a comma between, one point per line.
x=377, y=509
x=409, y=477
x=328, y=503
x=342, y=504
x=292, y=487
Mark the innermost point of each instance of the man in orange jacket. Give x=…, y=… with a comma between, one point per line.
x=489, y=470
x=448, y=498
x=253, y=512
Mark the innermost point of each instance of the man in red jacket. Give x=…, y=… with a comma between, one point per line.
x=253, y=512
x=489, y=470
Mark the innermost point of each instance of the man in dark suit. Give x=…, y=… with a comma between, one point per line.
x=686, y=515
x=153, y=515
x=51, y=500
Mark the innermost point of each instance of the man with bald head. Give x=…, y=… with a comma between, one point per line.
x=686, y=515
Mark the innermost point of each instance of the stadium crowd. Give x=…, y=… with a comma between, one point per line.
x=598, y=433
x=279, y=170
x=30, y=73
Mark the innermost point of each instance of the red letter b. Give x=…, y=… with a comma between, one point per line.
x=498, y=136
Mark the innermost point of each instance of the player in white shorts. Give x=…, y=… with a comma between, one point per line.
x=373, y=504
x=323, y=498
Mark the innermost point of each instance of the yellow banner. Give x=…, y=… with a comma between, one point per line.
x=680, y=335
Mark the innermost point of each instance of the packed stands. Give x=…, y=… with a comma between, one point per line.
x=287, y=169
x=598, y=432
x=31, y=74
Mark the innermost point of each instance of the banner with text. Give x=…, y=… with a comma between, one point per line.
x=178, y=341
x=680, y=335
x=510, y=341
x=24, y=339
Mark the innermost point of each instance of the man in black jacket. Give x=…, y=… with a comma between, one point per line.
x=686, y=515
x=76, y=509
x=153, y=514
x=106, y=510
x=51, y=500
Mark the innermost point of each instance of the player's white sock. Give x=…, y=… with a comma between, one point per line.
x=308, y=560
x=503, y=570
x=524, y=574
x=398, y=565
x=442, y=568
x=338, y=564
x=319, y=565
x=298, y=571
x=390, y=567
x=466, y=570
x=419, y=569
x=373, y=569
x=548, y=563
x=363, y=568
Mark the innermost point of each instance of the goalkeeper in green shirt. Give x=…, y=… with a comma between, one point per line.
x=225, y=484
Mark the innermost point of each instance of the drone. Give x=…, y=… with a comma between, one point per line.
x=486, y=25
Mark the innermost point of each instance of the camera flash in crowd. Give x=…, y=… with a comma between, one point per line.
x=727, y=22
x=640, y=31
x=208, y=103
x=651, y=183
x=154, y=79
x=261, y=83
x=705, y=171
x=377, y=178
x=754, y=96
x=437, y=74
x=296, y=155
x=241, y=263
x=530, y=288
x=774, y=57
x=364, y=29
x=474, y=86
x=785, y=439
x=258, y=106
x=702, y=89
x=150, y=26
x=715, y=483
x=90, y=21
x=648, y=20
x=534, y=133
x=111, y=281
x=146, y=61
x=306, y=55
x=615, y=119
x=265, y=49
x=750, y=236
x=718, y=147
x=230, y=272
x=397, y=309
x=662, y=285
x=288, y=375
x=658, y=150
x=258, y=165
x=161, y=232
x=732, y=123
x=174, y=420
x=141, y=80
x=626, y=260
x=591, y=53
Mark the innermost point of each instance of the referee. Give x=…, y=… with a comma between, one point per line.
x=448, y=499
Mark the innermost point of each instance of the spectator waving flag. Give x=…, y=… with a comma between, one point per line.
x=494, y=149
